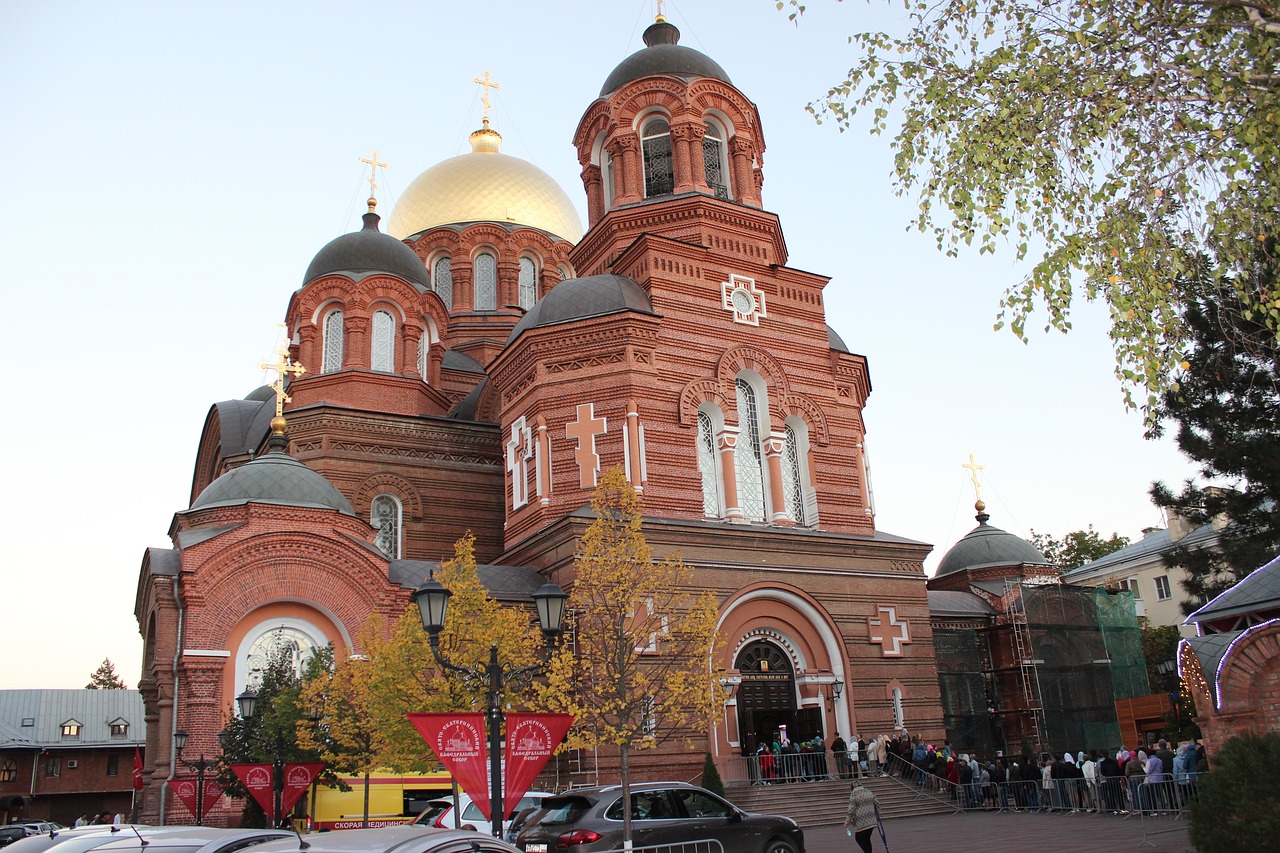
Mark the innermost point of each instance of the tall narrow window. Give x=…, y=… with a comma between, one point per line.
x=528, y=283
x=714, y=161
x=708, y=463
x=424, y=353
x=8, y=770
x=748, y=460
x=485, y=282
x=792, y=479
x=655, y=140
x=442, y=280
x=383, y=353
x=898, y=719
x=384, y=515
x=610, y=183
x=332, y=359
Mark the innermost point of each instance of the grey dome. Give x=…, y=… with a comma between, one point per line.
x=275, y=477
x=988, y=547
x=368, y=251
x=663, y=55
x=835, y=341
x=580, y=298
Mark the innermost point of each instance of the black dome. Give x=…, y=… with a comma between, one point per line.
x=368, y=251
x=985, y=547
x=580, y=298
x=275, y=477
x=662, y=55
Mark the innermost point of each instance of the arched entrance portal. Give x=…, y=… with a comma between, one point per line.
x=767, y=698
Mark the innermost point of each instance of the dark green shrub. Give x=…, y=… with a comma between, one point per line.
x=711, y=776
x=1239, y=804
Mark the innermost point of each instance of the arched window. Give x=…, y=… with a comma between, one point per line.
x=748, y=458
x=424, y=353
x=655, y=142
x=792, y=475
x=709, y=465
x=384, y=515
x=898, y=719
x=528, y=282
x=382, y=355
x=485, y=282
x=332, y=359
x=610, y=182
x=715, y=161
x=442, y=279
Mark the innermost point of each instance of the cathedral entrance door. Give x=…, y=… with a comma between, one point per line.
x=766, y=695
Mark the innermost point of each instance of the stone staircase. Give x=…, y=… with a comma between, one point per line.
x=823, y=803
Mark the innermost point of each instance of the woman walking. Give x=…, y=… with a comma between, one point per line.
x=862, y=816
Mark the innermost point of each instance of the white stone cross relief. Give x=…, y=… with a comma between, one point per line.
x=891, y=640
x=519, y=452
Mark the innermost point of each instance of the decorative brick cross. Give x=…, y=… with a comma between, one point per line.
x=584, y=430
x=888, y=630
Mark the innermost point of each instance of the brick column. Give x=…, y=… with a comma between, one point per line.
x=688, y=175
x=409, y=355
x=773, y=446
x=355, y=346
x=628, y=171
x=744, y=184
x=726, y=443
x=593, y=182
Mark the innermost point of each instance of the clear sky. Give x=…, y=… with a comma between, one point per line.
x=168, y=170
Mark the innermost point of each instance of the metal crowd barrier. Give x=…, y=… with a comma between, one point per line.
x=707, y=845
x=787, y=768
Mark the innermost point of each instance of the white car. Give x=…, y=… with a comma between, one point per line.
x=439, y=812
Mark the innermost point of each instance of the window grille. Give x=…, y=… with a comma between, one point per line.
x=528, y=283
x=713, y=162
x=384, y=515
x=485, y=285
x=792, y=481
x=424, y=351
x=747, y=460
x=707, y=465
x=442, y=280
x=659, y=177
x=332, y=343
x=382, y=357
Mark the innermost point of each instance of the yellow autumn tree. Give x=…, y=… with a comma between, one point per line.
x=637, y=671
x=404, y=676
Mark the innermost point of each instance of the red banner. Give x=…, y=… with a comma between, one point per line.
x=298, y=776
x=137, y=770
x=187, y=789
x=458, y=741
x=256, y=779
x=531, y=738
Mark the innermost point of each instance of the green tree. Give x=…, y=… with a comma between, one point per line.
x=1112, y=142
x=1227, y=407
x=105, y=678
x=1076, y=548
x=1238, y=807
x=638, y=673
x=1160, y=646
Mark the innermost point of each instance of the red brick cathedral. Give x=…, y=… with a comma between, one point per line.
x=478, y=366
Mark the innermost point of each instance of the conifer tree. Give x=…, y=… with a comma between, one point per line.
x=105, y=678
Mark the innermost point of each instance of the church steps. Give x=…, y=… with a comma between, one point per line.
x=823, y=803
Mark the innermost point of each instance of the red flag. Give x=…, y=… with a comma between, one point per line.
x=256, y=779
x=531, y=738
x=298, y=776
x=458, y=741
x=186, y=789
x=137, y=769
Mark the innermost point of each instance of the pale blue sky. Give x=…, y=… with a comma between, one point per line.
x=168, y=169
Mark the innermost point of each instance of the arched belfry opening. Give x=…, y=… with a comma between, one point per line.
x=767, y=698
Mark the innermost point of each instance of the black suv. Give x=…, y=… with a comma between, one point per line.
x=590, y=819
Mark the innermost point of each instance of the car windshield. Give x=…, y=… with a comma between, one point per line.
x=562, y=810
x=433, y=810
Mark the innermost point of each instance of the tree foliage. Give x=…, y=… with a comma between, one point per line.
x=1074, y=549
x=1114, y=142
x=1227, y=407
x=105, y=678
x=1238, y=807
x=638, y=669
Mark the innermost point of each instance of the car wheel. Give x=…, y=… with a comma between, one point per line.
x=779, y=845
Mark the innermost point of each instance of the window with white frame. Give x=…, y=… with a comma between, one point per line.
x=655, y=145
x=485, y=282
x=899, y=720
x=748, y=456
x=1133, y=586
x=385, y=517
x=424, y=355
x=71, y=729
x=709, y=465
x=793, y=475
x=715, y=161
x=332, y=357
x=1163, y=592
x=119, y=727
x=382, y=355
x=528, y=282
x=442, y=279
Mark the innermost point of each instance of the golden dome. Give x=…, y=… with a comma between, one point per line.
x=485, y=186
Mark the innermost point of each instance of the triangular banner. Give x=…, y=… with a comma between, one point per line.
x=186, y=788
x=531, y=738
x=256, y=779
x=458, y=741
x=298, y=777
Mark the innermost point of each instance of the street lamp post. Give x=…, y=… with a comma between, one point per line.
x=180, y=741
x=433, y=600
x=248, y=702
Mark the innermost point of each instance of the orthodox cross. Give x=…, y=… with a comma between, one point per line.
x=584, y=430
x=374, y=165
x=660, y=17
x=283, y=366
x=484, y=98
x=974, y=468
x=886, y=629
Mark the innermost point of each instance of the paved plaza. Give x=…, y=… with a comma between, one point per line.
x=990, y=832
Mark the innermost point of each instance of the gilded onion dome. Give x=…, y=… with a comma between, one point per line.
x=485, y=186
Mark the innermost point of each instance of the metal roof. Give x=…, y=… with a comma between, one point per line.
x=1259, y=590
x=986, y=546
x=947, y=602
x=662, y=55
x=48, y=710
x=368, y=252
x=580, y=298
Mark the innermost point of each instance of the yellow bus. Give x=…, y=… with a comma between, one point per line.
x=393, y=799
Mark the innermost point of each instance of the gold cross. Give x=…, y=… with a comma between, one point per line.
x=974, y=468
x=283, y=366
x=374, y=165
x=660, y=17
x=484, y=98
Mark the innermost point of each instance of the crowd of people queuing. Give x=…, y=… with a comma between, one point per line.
x=1125, y=781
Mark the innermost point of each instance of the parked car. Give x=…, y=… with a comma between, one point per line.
x=78, y=840
x=10, y=834
x=36, y=827
x=394, y=839
x=439, y=812
x=583, y=820
x=171, y=839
